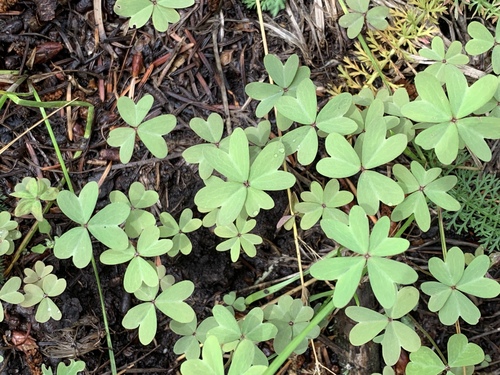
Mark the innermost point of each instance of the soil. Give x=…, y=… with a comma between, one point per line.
x=69, y=50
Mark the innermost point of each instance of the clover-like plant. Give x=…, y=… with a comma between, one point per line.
x=291, y=317
x=10, y=294
x=104, y=225
x=170, y=302
x=461, y=354
x=163, y=11
x=192, y=336
x=238, y=238
x=396, y=334
x=234, y=303
x=354, y=21
x=445, y=119
x=212, y=360
x=170, y=228
x=286, y=78
x=319, y=203
x=31, y=191
x=8, y=233
x=303, y=110
x=271, y=6
x=371, y=150
x=447, y=293
x=211, y=132
x=139, y=270
x=482, y=41
x=37, y=274
x=41, y=295
x=150, y=132
x=243, y=192
x=231, y=333
x=138, y=198
x=444, y=60
x=73, y=368
x=373, y=247
x=420, y=184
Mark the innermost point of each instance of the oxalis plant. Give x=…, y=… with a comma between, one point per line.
x=365, y=138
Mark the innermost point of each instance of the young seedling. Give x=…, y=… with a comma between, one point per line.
x=139, y=270
x=192, y=336
x=447, y=294
x=286, y=77
x=231, y=333
x=150, y=132
x=210, y=131
x=234, y=303
x=170, y=302
x=291, y=317
x=444, y=60
x=461, y=354
x=50, y=286
x=37, y=274
x=446, y=120
x=104, y=225
x=243, y=192
x=239, y=238
x=138, y=198
x=163, y=11
x=303, y=110
x=373, y=247
x=8, y=233
x=319, y=203
x=371, y=150
x=418, y=185
x=31, y=191
x=354, y=21
x=396, y=334
x=170, y=228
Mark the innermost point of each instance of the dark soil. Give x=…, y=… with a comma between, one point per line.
x=54, y=44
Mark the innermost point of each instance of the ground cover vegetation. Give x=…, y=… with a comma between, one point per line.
x=370, y=170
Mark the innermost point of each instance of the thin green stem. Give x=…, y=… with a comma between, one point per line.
x=54, y=142
x=104, y=318
x=431, y=340
x=442, y=235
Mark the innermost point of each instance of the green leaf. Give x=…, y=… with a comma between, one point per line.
x=140, y=197
x=211, y=362
x=124, y=138
x=268, y=95
x=138, y=10
x=331, y=117
x=283, y=75
x=47, y=309
x=376, y=17
x=424, y=361
x=347, y=270
x=228, y=329
x=353, y=22
x=481, y=41
x=139, y=271
x=144, y=317
x=303, y=108
x=74, y=243
x=443, y=138
x=263, y=172
x=385, y=274
x=151, y=134
x=374, y=187
x=79, y=209
x=360, y=6
x=343, y=160
x=462, y=353
x=133, y=114
x=371, y=323
x=104, y=225
x=210, y=130
x=170, y=302
x=149, y=244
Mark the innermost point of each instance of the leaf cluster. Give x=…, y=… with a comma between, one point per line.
x=31, y=191
x=353, y=21
x=8, y=233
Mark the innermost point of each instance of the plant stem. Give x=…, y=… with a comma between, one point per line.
x=104, y=318
x=442, y=235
